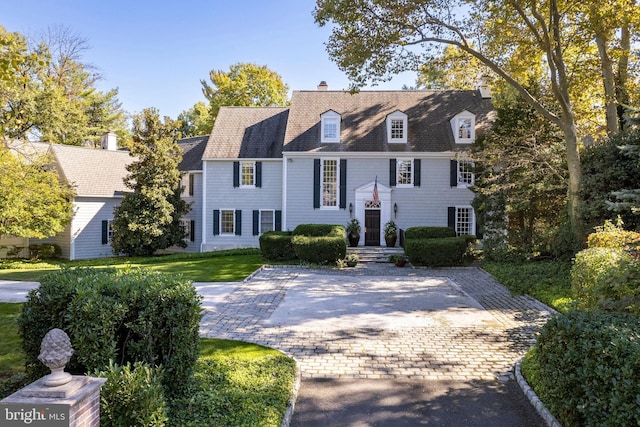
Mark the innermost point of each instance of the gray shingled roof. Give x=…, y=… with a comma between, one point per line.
x=247, y=132
x=91, y=171
x=192, y=149
x=363, y=117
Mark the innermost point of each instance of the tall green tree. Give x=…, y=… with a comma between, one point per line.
x=21, y=92
x=244, y=85
x=373, y=39
x=521, y=176
x=148, y=219
x=195, y=121
x=34, y=202
x=48, y=93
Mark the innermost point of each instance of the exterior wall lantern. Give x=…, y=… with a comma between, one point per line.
x=350, y=209
x=395, y=210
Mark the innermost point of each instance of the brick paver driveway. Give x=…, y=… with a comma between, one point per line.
x=380, y=321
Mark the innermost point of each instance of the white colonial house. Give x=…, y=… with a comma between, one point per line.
x=314, y=161
x=318, y=161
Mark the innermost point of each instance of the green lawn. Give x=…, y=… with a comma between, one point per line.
x=11, y=355
x=223, y=266
x=546, y=281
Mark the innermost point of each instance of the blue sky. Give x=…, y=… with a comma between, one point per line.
x=156, y=52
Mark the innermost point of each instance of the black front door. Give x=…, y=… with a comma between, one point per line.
x=372, y=227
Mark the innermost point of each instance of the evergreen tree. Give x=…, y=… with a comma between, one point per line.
x=148, y=219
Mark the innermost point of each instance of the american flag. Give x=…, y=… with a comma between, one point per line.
x=376, y=197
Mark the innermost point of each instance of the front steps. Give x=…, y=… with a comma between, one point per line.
x=377, y=254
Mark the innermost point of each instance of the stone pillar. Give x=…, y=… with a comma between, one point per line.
x=74, y=404
x=58, y=399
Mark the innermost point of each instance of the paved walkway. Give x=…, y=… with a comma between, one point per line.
x=381, y=322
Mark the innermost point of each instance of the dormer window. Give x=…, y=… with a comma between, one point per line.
x=397, y=127
x=463, y=126
x=330, y=127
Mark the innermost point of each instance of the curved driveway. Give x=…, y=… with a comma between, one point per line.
x=379, y=321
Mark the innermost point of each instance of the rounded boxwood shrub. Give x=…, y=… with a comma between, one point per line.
x=277, y=246
x=131, y=315
x=606, y=278
x=585, y=366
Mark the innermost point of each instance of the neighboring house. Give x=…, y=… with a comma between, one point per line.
x=97, y=176
x=318, y=161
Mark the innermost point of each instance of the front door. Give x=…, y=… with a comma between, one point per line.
x=372, y=227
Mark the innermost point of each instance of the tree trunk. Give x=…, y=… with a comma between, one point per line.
x=575, y=178
x=608, y=79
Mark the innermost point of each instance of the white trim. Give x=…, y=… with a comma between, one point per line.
x=372, y=155
x=227, y=234
x=455, y=125
x=330, y=116
x=473, y=218
x=284, y=193
x=365, y=193
x=395, y=116
x=273, y=220
x=404, y=159
x=238, y=159
x=241, y=164
x=337, y=191
x=203, y=240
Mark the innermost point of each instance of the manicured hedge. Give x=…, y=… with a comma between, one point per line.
x=429, y=232
x=585, y=368
x=319, y=230
x=116, y=315
x=320, y=250
x=277, y=246
x=443, y=252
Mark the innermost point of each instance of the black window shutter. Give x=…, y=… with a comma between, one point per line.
x=258, y=172
x=278, y=224
x=192, y=231
x=316, y=183
x=343, y=183
x=451, y=217
x=256, y=222
x=105, y=232
x=416, y=172
x=191, y=184
x=238, y=222
x=478, y=232
x=453, y=173
x=392, y=172
x=236, y=174
x=216, y=222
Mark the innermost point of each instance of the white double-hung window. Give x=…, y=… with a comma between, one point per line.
x=397, y=127
x=465, y=173
x=330, y=127
x=404, y=171
x=247, y=174
x=329, y=182
x=463, y=127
